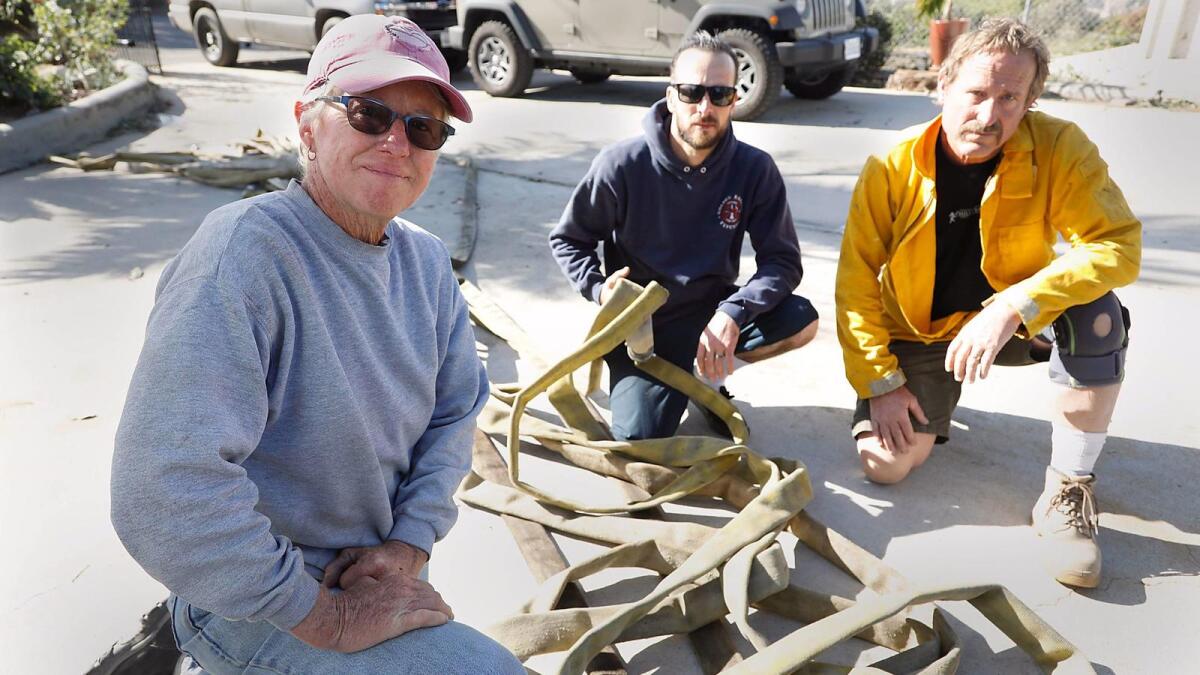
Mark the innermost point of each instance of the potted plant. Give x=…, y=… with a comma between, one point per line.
x=943, y=28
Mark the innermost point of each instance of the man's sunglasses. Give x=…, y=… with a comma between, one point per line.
x=694, y=93
x=374, y=117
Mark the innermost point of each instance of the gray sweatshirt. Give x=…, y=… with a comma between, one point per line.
x=299, y=392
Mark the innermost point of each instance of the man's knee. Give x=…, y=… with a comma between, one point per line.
x=1090, y=344
x=885, y=467
x=805, y=335
x=643, y=426
x=794, y=341
x=479, y=653
x=643, y=407
x=452, y=648
x=646, y=413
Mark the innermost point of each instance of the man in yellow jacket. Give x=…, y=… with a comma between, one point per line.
x=947, y=267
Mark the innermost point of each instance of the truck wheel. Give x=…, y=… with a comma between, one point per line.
x=819, y=86
x=217, y=47
x=499, y=63
x=456, y=59
x=759, y=72
x=330, y=23
x=589, y=75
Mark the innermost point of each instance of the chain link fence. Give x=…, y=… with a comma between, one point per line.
x=1067, y=26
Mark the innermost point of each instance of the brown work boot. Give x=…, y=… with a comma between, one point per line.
x=1066, y=519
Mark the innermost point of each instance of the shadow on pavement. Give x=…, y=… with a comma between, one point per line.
x=990, y=474
x=290, y=64
x=1170, y=232
x=132, y=221
x=855, y=108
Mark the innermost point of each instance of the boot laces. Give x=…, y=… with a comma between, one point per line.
x=1077, y=501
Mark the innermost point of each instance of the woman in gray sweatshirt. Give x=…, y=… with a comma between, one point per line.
x=303, y=407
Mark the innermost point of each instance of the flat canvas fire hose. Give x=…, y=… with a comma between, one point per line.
x=706, y=573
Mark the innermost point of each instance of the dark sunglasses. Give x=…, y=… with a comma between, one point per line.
x=693, y=93
x=374, y=117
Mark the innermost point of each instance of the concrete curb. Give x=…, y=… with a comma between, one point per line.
x=925, y=81
x=78, y=124
x=1089, y=92
x=462, y=249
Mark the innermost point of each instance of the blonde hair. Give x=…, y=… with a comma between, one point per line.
x=1000, y=36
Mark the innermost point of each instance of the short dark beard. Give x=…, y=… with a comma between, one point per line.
x=692, y=136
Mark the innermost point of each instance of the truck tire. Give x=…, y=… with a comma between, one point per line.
x=759, y=72
x=499, y=63
x=216, y=46
x=589, y=75
x=330, y=23
x=456, y=59
x=819, y=86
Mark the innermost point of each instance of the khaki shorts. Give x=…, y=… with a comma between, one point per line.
x=936, y=390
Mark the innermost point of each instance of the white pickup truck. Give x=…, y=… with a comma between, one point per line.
x=220, y=26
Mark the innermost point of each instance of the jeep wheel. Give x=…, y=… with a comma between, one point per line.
x=589, y=75
x=330, y=23
x=819, y=86
x=456, y=59
x=216, y=46
x=759, y=72
x=499, y=63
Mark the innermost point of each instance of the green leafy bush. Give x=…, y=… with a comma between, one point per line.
x=76, y=35
x=1067, y=26
x=21, y=87
x=871, y=66
x=80, y=35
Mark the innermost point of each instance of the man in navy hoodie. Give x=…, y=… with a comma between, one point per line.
x=674, y=206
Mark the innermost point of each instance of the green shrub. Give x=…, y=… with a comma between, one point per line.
x=21, y=88
x=871, y=66
x=80, y=35
x=77, y=35
x=1067, y=26
x=17, y=17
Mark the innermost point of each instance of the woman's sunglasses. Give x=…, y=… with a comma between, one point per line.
x=374, y=117
x=694, y=93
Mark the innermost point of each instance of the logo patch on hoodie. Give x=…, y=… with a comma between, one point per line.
x=730, y=212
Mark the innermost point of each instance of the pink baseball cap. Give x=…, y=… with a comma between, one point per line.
x=368, y=51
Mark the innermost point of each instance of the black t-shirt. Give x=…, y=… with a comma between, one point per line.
x=958, y=283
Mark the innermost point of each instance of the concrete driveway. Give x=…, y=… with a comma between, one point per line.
x=80, y=255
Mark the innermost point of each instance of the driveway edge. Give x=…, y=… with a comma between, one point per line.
x=78, y=124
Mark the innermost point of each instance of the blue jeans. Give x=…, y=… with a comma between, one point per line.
x=643, y=407
x=224, y=647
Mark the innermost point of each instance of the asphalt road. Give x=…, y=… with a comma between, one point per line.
x=80, y=254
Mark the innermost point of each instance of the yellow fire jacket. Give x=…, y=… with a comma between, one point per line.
x=1050, y=181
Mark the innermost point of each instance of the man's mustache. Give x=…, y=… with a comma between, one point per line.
x=977, y=128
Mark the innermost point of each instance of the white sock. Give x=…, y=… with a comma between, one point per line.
x=1074, y=452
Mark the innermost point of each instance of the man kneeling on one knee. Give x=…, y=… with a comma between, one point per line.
x=674, y=206
x=947, y=268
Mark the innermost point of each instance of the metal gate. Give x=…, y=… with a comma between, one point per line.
x=135, y=40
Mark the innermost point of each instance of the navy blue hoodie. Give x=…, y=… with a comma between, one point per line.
x=681, y=226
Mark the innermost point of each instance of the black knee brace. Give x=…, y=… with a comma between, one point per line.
x=1083, y=358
